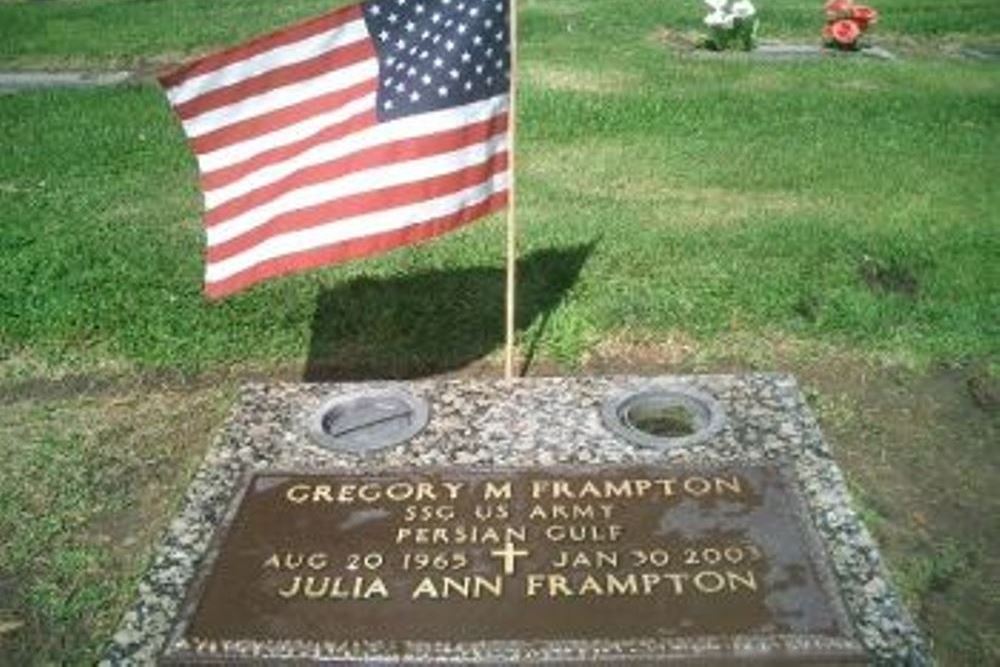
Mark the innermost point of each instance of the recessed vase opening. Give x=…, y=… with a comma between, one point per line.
x=663, y=417
x=368, y=422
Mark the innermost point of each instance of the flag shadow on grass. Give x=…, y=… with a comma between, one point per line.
x=434, y=321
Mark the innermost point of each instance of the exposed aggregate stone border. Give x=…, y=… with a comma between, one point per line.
x=531, y=422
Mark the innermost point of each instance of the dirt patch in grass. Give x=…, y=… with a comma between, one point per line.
x=677, y=40
x=627, y=353
x=985, y=390
x=889, y=276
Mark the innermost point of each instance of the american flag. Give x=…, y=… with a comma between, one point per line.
x=374, y=126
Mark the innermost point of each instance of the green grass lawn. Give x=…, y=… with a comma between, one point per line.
x=843, y=209
x=82, y=32
x=849, y=202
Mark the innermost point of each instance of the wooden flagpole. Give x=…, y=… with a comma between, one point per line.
x=511, y=195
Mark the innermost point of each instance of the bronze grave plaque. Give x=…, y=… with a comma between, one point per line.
x=599, y=563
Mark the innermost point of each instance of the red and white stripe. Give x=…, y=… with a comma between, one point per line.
x=297, y=171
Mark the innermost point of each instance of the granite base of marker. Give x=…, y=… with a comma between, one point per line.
x=484, y=424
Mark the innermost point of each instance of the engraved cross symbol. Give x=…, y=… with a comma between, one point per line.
x=509, y=554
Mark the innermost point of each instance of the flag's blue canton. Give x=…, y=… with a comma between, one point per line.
x=435, y=54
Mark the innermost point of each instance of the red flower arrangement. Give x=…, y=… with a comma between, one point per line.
x=846, y=22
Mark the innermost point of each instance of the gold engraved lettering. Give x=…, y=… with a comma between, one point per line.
x=310, y=590
x=561, y=488
x=510, y=556
x=534, y=582
x=317, y=561
x=337, y=588
x=584, y=533
x=558, y=586
x=345, y=494
x=706, y=582
x=623, y=489
x=472, y=587
x=339, y=593
x=498, y=491
x=425, y=491
x=732, y=485
x=606, y=559
x=452, y=586
x=642, y=486
x=677, y=580
x=429, y=513
x=667, y=486
x=425, y=589
x=399, y=491
x=376, y=589
x=569, y=512
x=322, y=492
x=709, y=581
x=297, y=494
x=453, y=488
x=590, y=587
x=486, y=512
x=460, y=534
x=293, y=589
x=617, y=587
x=294, y=561
x=494, y=587
x=458, y=587
x=697, y=486
x=749, y=582
x=373, y=492
x=603, y=489
x=583, y=559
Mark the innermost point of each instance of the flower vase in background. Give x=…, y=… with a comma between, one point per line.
x=733, y=25
x=846, y=23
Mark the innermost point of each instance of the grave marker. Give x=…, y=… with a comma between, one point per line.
x=556, y=520
x=563, y=557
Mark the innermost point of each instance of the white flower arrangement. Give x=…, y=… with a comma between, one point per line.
x=733, y=24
